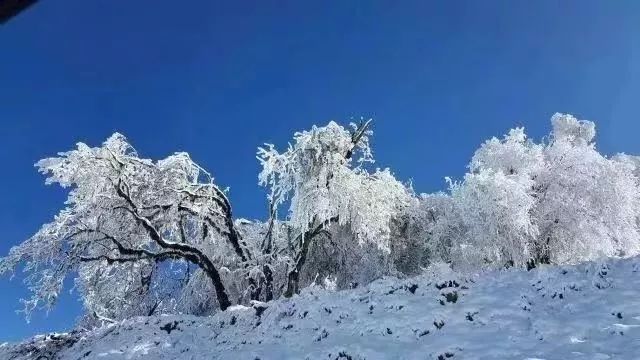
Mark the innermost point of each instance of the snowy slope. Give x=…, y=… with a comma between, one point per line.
x=589, y=311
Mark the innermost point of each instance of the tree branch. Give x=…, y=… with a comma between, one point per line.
x=355, y=138
x=184, y=251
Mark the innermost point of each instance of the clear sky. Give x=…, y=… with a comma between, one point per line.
x=217, y=80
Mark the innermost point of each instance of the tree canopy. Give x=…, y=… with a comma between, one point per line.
x=142, y=236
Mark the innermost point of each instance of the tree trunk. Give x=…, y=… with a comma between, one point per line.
x=294, y=275
x=292, y=283
x=221, y=294
x=268, y=286
x=301, y=259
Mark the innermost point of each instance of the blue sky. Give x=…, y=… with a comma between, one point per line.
x=217, y=80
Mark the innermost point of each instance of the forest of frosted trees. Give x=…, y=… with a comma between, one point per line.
x=143, y=237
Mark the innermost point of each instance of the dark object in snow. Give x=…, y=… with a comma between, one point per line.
x=618, y=315
x=169, y=327
x=391, y=292
x=343, y=355
x=389, y=331
x=11, y=8
x=450, y=283
x=322, y=335
x=259, y=307
x=469, y=315
x=556, y=294
x=451, y=297
x=531, y=264
x=412, y=289
x=438, y=324
x=445, y=356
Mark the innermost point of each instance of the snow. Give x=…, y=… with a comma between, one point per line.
x=590, y=311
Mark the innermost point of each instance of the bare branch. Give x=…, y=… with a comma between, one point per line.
x=357, y=135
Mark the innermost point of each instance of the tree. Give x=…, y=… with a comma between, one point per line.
x=527, y=203
x=126, y=218
x=587, y=204
x=441, y=225
x=486, y=219
x=318, y=178
x=495, y=211
x=496, y=200
x=514, y=154
x=145, y=237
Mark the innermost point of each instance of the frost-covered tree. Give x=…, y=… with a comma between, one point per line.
x=486, y=220
x=527, y=203
x=128, y=223
x=441, y=225
x=324, y=186
x=587, y=204
x=269, y=242
x=495, y=200
x=143, y=237
x=495, y=211
x=514, y=154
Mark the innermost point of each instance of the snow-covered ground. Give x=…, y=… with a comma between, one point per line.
x=589, y=311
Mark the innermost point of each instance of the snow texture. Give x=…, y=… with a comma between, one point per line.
x=586, y=311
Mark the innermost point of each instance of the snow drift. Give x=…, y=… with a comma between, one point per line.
x=590, y=311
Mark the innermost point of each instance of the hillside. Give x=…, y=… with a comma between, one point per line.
x=590, y=311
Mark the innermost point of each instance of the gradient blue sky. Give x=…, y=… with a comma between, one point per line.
x=217, y=80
